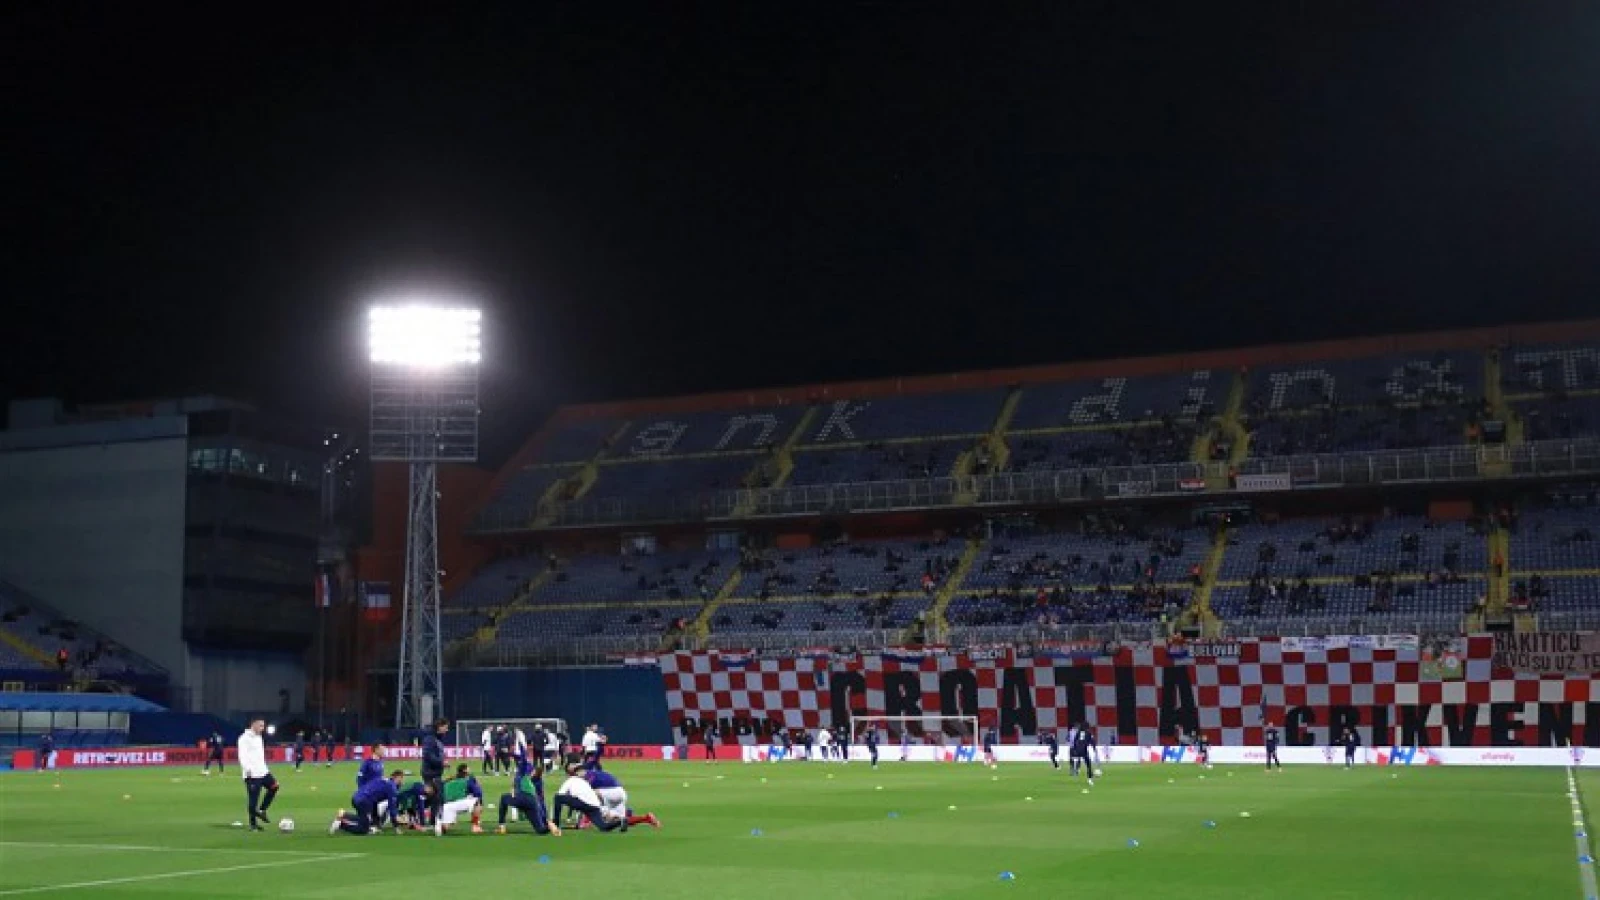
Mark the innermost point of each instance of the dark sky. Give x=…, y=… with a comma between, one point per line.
x=676, y=197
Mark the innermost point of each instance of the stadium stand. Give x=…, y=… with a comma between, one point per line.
x=876, y=461
x=1350, y=417
x=646, y=480
x=920, y=416
x=1388, y=403
x=36, y=634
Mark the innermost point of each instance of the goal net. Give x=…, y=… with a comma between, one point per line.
x=469, y=732
x=918, y=737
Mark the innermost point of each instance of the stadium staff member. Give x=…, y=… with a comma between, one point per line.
x=258, y=779
x=433, y=771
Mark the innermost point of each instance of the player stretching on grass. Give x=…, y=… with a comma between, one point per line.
x=527, y=797
x=614, y=801
x=374, y=801
x=462, y=794
x=578, y=795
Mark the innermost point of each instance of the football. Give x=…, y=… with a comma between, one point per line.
x=286, y=825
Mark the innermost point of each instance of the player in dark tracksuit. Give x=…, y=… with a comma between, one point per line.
x=47, y=746
x=527, y=797
x=1078, y=754
x=299, y=749
x=433, y=771
x=1272, y=747
x=844, y=742
x=990, y=738
x=1051, y=741
x=1351, y=740
x=1202, y=749
x=365, y=818
x=327, y=748
x=872, y=745
x=213, y=753
x=709, y=735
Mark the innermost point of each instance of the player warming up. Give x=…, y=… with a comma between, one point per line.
x=259, y=785
x=872, y=744
x=614, y=801
x=1049, y=739
x=1202, y=749
x=213, y=753
x=527, y=797
x=1078, y=754
x=462, y=794
x=990, y=738
x=1351, y=741
x=1272, y=748
x=372, y=802
x=577, y=795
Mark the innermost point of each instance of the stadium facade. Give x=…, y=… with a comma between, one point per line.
x=170, y=541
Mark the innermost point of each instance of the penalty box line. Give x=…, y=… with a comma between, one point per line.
x=300, y=858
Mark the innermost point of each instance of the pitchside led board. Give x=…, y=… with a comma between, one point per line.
x=1395, y=690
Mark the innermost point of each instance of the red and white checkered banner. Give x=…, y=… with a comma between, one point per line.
x=1394, y=690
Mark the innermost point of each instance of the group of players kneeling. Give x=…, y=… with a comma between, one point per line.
x=590, y=797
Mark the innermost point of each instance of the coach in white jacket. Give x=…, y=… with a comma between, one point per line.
x=258, y=780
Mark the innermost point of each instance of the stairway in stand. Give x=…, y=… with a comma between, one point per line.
x=701, y=626
x=569, y=489
x=935, y=622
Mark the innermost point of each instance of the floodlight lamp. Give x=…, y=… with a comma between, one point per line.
x=425, y=337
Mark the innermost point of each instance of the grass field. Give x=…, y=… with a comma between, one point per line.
x=832, y=831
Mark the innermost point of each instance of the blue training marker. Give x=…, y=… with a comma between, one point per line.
x=894, y=815
x=755, y=832
x=1586, y=859
x=544, y=860
x=1210, y=824
x=1133, y=843
x=1008, y=876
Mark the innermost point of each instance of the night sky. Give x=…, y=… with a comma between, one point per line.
x=677, y=197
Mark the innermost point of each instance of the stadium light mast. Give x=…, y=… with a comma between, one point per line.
x=424, y=408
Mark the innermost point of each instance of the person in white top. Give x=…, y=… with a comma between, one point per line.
x=521, y=743
x=552, y=750
x=591, y=741
x=258, y=780
x=578, y=795
x=824, y=741
x=488, y=749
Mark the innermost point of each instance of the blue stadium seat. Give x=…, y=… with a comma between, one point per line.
x=923, y=415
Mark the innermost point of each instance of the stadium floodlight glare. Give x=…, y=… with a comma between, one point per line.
x=425, y=360
x=425, y=337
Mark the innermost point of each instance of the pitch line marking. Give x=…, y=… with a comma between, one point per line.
x=188, y=873
x=1585, y=870
x=139, y=848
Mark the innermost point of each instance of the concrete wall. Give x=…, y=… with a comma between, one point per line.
x=221, y=681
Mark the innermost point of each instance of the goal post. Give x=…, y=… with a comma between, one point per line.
x=469, y=732
x=917, y=737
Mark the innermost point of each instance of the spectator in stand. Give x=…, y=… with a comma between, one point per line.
x=63, y=659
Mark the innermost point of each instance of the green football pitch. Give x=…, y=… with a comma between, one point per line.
x=813, y=829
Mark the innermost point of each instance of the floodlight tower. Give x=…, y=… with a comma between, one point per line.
x=424, y=411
